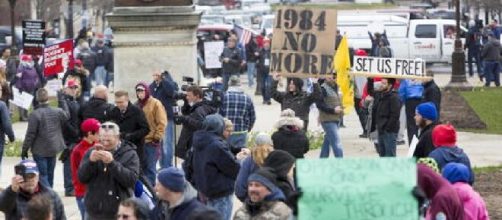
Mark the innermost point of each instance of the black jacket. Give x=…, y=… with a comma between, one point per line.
x=192, y=121
x=491, y=51
x=263, y=66
x=433, y=94
x=108, y=185
x=294, y=142
x=251, y=49
x=95, y=108
x=425, y=145
x=132, y=123
x=71, y=129
x=386, y=110
x=299, y=102
x=234, y=65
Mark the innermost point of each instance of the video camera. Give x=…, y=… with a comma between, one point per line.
x=211, y=96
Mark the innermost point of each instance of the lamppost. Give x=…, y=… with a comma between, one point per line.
x=69, y=28
x=458, y=79
x=13, y=46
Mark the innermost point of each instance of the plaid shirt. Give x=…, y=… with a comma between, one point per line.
x=238, y=108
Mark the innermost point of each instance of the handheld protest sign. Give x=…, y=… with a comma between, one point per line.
x=357, y=189
x=33, y=37
x=303, y=42
x=389, y=67
x=58, y=58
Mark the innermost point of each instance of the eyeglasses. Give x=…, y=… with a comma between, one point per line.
x=107, y=126
x=120, y=216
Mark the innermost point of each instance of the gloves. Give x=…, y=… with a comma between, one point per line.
x=179, y=119
x=24, y=155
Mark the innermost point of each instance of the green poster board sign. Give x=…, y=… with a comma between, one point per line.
x=357, y=189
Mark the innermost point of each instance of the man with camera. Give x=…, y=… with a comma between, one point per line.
x=194, y=110
x=109, y=170
x=24, y=186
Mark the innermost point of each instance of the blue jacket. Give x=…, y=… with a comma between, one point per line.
x=6, y=125
x=214, y=167
x=165, y=91
x=445, y=155
x=409, y=89
x=248, y=167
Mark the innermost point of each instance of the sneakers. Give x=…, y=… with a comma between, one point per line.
x=363, y=135
x=69, y=194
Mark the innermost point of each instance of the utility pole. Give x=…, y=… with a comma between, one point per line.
x=13, y=46
x=69, y=28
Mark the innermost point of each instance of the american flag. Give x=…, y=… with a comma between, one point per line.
x=243, y=34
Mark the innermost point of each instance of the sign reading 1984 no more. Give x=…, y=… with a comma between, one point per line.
x=303, y=42
x=33, y=37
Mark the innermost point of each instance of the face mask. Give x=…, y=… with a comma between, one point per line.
x=191, y=104
x=378, y=86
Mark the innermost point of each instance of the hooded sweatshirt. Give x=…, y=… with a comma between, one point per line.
x=474, y=206
x=281, y=162
x=444, y=201
x=214, y=167
x=187, y=204
x=299, y=101
x=155, y=114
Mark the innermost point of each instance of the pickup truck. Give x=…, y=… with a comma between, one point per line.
x=429, y=39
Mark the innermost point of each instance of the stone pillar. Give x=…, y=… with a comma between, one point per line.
x=154, y=37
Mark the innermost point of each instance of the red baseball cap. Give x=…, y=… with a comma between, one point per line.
x=71, y=83
x=78, y=62
x=90, y=125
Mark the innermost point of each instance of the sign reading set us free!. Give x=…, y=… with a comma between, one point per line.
x=389, y=67
x=303, y=42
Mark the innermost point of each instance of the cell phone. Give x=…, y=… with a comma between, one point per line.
x=20, y=170
x=98, y=147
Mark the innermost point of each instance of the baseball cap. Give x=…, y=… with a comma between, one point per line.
x=31, y=166
x=71, y=83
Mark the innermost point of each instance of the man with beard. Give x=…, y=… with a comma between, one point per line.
x=265, y=199
x=24, y=187
x=425, y=118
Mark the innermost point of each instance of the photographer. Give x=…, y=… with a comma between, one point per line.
x=24, y=187
x=194, y=111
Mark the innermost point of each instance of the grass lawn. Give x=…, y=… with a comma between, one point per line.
x=487, y=103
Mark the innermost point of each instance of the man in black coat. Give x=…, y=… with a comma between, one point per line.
x=425, y=118
x=132, y=122
x=433, y=94
x=97, y=107
x=194, y=111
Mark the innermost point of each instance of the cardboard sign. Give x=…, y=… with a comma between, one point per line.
x=58, y=58
x=303, y=42
x=389, y=67
x=33, y=37
x=357, y=189
x=21, y=99
x=212, y=52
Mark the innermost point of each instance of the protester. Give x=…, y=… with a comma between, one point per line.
x=411, y=93
x=283, y=165
x=5, y=127
x=375, y=41
x=194, y=111
x=90, y=136
x=133, y=209
x=231, y=60
x=384, y=50
x=265, y=199
x=4, y=84
x=39, y=208
x=261, y=149
x=238, y=107
x=97, y=107
x=109, y=170
x=294, y=98
x=177, y=198
x=27, y=80
x=444, y=138
x=10, y=64
x=103, y=59
x=15, y=198
x=432, y=93
x=88, y=58
x=490, y=54
x=289, y=135
x=426, y=119
x=474, y=206
x=252, y=56
x=157, y=120
x=330, y=113
x=132, y=122
x=80, y=76
x=44, y=136
x=214, y=167
x=444, y=201
x=473, y=46
x=264, y=71
x=165, y=89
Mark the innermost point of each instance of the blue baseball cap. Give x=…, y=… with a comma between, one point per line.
x=31, y=166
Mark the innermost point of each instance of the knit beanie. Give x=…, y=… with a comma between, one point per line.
x=265, y=176
x=172, y=178
x=428, y=111
x=456, y=172
x=430, y=162
x=263, y=139
x=281, y=161
x=444, y=136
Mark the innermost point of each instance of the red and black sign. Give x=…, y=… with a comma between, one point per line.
x=33, y=37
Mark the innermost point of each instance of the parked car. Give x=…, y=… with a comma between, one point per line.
x=6, y=36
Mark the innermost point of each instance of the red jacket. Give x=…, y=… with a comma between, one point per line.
x=76, y=157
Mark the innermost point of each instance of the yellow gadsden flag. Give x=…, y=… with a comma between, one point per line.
x=342, y=67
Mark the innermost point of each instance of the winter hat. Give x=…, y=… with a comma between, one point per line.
x=143, y=86
x=288, y=118
x=235, y=81
x=428, y=111
x=26, y=58
x=430, y=162
x=281, y=161
x=263, y=139
x=444, y=136
x=265, y=176
x=172, y=178
x=456, y=172
x=90, y=125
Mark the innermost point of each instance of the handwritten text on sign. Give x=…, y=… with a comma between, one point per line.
x=390, y=67
x=303, y=41
x=357, y=189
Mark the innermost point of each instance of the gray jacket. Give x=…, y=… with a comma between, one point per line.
x=44, y=135
x=491, y=51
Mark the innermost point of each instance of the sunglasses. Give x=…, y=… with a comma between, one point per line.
x=140, y=90
x=120, y=216
x=107, y=126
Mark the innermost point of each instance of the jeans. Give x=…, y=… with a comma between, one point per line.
x=2, y=146
x=238, y=139
x=151, y=158
x=226, y=78
x=223, y=205
x=332, y=138
x=266, y=82
x=386, y=144
x=100, y=75
x=492, y=72
x=251, y=73
x=166, y=159
x=46, y=167
x=473, y=56
x=68, y=182
x=81, y=206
